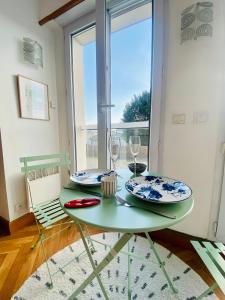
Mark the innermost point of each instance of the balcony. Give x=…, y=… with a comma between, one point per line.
x=89, y=151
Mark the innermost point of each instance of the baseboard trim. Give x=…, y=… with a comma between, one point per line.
x=21, y=222
x=8, y=228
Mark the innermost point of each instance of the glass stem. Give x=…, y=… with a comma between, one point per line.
x=114, y=165
x=135, y=173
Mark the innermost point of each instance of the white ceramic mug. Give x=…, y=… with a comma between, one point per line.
x=109, y=185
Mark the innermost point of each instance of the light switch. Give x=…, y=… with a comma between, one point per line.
x=200, y=117
x=178, y=118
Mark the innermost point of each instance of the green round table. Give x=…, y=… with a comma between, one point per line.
x=110, y=216
x=113, y=217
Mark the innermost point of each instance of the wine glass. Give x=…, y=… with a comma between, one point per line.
x=135, y=144
x=114, y=149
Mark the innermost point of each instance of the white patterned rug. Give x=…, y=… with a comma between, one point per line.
x=148, y=282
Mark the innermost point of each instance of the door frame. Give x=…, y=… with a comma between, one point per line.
x=158, y=79
x=69, y=31
x=102, y=21
x=103, y=82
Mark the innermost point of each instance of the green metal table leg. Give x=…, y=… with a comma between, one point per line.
x=161, y=264
x=129, y=273
x=96, y=274
x=88, y=237
x=210, y=289
x=140, y=257
x=96, y=270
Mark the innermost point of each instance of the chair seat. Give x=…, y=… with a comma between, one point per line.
x=49, y=213
x=213, y=256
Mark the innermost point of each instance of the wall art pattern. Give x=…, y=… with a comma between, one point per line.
x=196, y=21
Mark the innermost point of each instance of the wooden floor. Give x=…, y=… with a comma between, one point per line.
x=18, y=261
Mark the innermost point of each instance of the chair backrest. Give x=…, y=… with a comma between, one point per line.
x=213, y=256
x=42, y=175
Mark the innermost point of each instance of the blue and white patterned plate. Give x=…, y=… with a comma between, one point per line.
x=158, y=189
x=90, y=177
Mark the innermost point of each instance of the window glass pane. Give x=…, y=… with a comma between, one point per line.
x=131, y=40
x=84, y=68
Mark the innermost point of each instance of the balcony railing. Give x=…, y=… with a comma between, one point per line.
x=125, y=130
x=121, y=125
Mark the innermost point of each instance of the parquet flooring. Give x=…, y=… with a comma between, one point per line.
x=18, y=261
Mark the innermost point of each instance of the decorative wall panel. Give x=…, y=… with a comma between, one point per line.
x=32, y=52
x=196, y=21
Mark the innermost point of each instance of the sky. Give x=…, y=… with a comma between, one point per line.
x=130, y=69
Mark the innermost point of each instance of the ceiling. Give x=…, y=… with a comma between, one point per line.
x=88, y=6
x=76, y=12
x=121, y=21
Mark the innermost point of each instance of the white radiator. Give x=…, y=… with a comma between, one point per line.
x=44, y=189
x=220, y=233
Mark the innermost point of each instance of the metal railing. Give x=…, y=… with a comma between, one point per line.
x=121, y=125
x=124, y=130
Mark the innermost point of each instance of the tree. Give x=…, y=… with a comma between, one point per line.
x=138, y=109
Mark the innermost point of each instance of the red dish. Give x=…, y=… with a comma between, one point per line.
x=80, y=203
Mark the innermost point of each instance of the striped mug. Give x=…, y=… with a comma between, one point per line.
x=109, y=185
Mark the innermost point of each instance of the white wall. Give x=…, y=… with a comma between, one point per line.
x=21, y=137
x=195, y=83
x=61, y=91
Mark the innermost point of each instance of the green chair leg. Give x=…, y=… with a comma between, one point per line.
x=40, y=237
x=33, y=246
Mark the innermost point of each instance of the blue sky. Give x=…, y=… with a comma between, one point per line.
x=130, y=69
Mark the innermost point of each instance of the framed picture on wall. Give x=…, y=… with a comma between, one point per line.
x=33, y=98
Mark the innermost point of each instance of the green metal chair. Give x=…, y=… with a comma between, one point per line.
x=213, y=256
x=43, y=185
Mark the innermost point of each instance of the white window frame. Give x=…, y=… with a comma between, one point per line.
x=159, y=54
x=103, y=81
x=78, y=25
x=102, y=20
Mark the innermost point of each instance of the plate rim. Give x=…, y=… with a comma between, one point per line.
x=95, y=170
x=158, y=201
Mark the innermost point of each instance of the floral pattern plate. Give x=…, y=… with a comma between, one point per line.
x=90, y=177
x=158, y=189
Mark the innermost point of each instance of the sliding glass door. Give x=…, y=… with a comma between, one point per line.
x=109, y=89
x=131, y=39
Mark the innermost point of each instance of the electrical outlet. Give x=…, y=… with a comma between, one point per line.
x=52, y=104
x=19, y=206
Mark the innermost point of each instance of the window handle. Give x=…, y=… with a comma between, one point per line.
x=107, y=105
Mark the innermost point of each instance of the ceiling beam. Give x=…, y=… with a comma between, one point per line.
x=61, y=10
